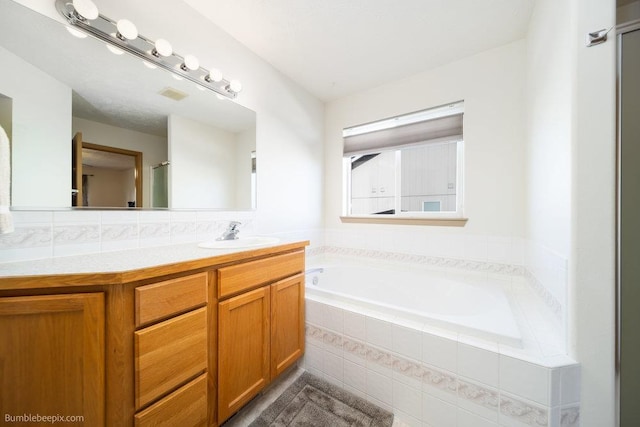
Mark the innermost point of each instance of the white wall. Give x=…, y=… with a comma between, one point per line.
x=550, y=90
x=109, y=187
x=154, y=148
x=570, y=184
x=41, y=134
x=592, y=268
x=491, y=85
x=202, y=164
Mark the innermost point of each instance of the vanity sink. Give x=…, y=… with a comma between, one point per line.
x=242, y=242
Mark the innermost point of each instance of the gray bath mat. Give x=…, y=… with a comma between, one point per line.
x=313, y=402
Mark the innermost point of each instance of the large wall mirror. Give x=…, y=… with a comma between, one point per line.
x=71, y=106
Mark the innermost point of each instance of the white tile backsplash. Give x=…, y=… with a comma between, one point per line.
x=46, y=234
x=438, y=413
x=380, y=387
x=478, y=399
x=478, y=364
x=333, y=318
x=407, y=341
x=333, y=365
x=355, y=376
x=407, y=399
x=468, y=419
x=525, y=379
x=355, y=325
x=440, y=352
x=379, y=332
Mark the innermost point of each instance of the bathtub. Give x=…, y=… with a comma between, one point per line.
x=452, y=301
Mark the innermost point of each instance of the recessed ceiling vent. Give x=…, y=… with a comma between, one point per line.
x=172, y=93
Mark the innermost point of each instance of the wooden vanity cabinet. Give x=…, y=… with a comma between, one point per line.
x=52, y=350
x=261, y=329
x=183, y=344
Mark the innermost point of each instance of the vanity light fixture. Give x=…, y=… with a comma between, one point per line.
x=123, y=35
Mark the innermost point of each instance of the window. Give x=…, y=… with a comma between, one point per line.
x=404, y=167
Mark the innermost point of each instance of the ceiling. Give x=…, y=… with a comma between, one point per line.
x=334, y=48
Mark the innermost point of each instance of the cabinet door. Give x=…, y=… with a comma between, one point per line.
x=243, y=349
x=52, y=356
x=287, y=323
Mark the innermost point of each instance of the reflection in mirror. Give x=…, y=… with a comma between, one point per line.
x=105, y=176
x=57, y=85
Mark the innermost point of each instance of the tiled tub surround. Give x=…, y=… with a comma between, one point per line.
x=433, y=377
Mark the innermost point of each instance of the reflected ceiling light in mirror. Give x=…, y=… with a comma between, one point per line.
x=76, y=33
x=190, y=63
x=162, y=48
x=115, y=50
x=123, y=36
x=126, y=30
x=85, y=9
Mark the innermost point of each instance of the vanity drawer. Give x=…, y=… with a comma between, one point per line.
x=240, y=277
x=164, y=299
x=186, y=406
x=169, y=354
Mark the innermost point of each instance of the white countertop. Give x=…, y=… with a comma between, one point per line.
x=123, y=261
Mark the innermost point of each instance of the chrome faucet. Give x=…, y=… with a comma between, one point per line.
x=231, y=233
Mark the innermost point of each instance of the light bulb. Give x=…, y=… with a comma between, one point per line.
x=214, y=75
x=126, y=30
x=162, y=47
x=190, y=63
x=235, y=86
x=86, y=9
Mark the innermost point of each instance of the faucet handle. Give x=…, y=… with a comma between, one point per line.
x=233, y=225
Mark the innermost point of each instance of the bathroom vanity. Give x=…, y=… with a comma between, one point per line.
x=187, y=339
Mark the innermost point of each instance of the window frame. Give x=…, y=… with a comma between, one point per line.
x=446, y=218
